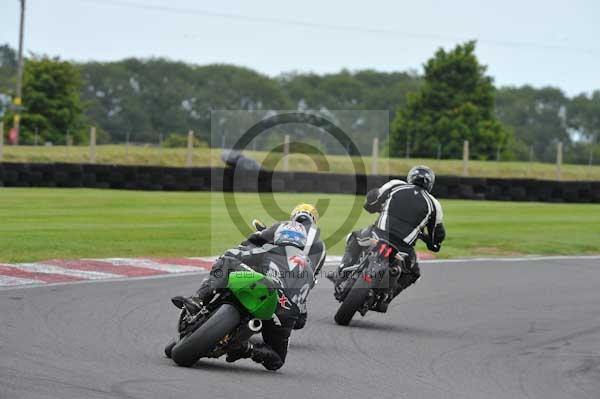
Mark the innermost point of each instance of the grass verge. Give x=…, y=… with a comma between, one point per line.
x=37, y=224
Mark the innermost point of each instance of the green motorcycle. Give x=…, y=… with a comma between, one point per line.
x=226, y=322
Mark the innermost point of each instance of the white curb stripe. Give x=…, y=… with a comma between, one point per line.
x=149, y=264
x=41, y=284
x=9, y=281
x=51, y=269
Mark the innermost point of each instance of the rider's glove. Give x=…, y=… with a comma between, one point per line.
x=434, y=247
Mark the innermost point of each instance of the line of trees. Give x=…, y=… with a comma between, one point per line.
x=430, y=114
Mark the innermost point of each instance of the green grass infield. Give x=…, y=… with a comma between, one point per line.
x=38, y=224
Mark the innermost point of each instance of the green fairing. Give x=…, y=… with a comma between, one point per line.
x=255, y=292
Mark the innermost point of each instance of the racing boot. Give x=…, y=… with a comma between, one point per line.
x=351, y=252
x=243, y=352
x=266, y=356
x=382, y=307
x=404, y=281
x=351, y=255
x=192, y=304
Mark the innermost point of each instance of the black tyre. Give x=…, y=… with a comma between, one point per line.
x=169, y=348
x=355, y=299
x=188, y=350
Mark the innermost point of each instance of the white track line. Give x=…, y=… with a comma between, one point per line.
x=10, y=281
x=514, y=259
x=149, y=264
x=333, y=260
x=51, y=269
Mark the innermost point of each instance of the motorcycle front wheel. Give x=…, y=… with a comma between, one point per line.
x=199, y=343
x=355, y=300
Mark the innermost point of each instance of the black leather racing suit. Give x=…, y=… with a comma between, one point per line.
x=405, y=211
x=315, y=248
x=292, y=272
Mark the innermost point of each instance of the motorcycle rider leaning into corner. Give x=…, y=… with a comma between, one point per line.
x=308, y=216
x=286, y=264
x=405, y=210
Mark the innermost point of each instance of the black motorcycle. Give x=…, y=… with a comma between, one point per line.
x=369, y=285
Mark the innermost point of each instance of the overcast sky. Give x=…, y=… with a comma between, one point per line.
x=523, y=42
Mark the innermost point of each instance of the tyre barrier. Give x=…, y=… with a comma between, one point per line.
x=232, y=179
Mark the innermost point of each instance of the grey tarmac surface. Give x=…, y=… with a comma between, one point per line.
x=493, y=329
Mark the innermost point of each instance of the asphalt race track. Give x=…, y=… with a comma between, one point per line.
x=489, y=329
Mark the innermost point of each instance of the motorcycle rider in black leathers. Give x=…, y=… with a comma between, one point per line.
x=287, y=265
x=308, y=216
x=406, y=209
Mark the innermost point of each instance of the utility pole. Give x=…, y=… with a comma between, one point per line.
x=530, y=160
x=18, y=101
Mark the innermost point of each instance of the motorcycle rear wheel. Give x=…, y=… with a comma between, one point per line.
x=198, y=344
x=355, y=299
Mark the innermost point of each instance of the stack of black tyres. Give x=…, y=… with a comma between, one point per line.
x=228, y=179
x=16, y=174
x=42, y=175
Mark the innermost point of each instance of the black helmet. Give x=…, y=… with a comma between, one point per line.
x=421, y=176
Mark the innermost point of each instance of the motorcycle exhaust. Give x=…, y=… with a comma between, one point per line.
x=255, y=325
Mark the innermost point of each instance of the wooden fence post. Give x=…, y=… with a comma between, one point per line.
x=1, y=140
x=93, y=144
x=286, y=153
x=559, y=159
x=127, y=147
x=190, y=149
x=375, y=156
x=466, y=158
